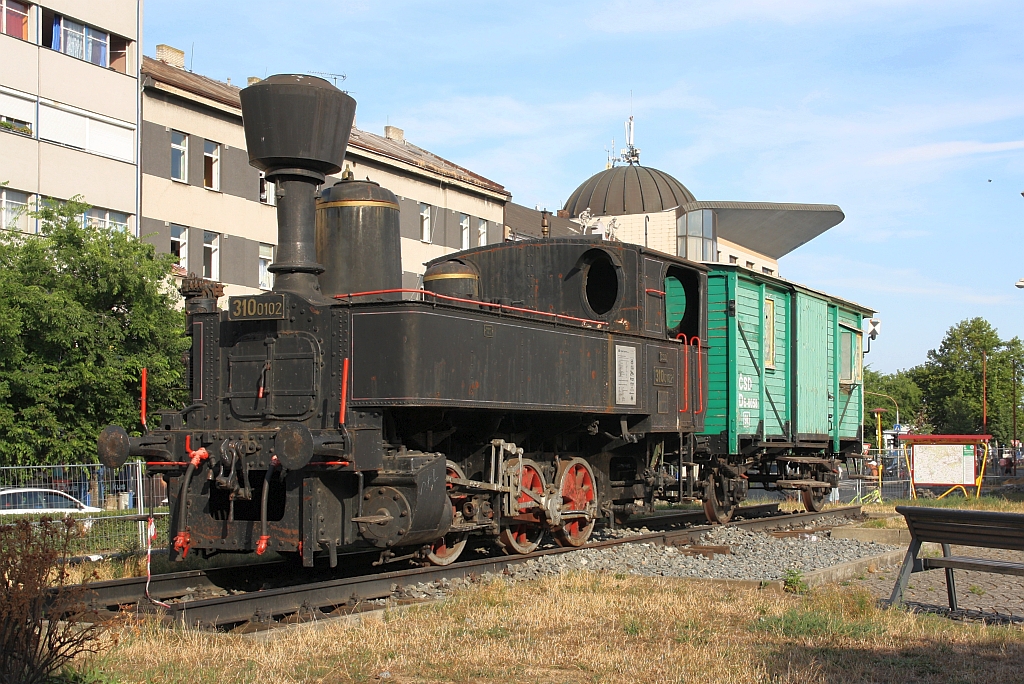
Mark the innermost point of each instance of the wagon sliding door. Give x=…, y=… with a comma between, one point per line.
x=810, y=386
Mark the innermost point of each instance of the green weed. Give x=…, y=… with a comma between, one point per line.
x=800, y=623
x=633, y=627
x=794, y=581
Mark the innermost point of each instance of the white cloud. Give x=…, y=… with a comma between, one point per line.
x=946, y=150
x=834, y=273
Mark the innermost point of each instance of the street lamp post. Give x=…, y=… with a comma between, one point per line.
x=879, y=394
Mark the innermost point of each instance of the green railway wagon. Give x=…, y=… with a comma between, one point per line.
x=785, y=393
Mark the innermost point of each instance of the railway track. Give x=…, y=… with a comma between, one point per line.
x=260, y=607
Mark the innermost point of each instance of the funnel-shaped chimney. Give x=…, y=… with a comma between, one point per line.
x=296, y=130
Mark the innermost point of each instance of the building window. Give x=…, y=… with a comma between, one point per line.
x=267, y=195
x=211, y=255
x=76, y=128
x=80, y=41
x=9, y=123
x=17, y=111
x=750, y=265
x=266, y=259
x=179, y=156
x=424, y=222
x=13, y=209
x=14, y=19
x=464, y=228
x=734, y=259
x=105, y=219
x=767, y=271
x=481, y=232
x=179, y=246
x=850, y=358
x=697, y=235
x=211, y=165
x=769, y=333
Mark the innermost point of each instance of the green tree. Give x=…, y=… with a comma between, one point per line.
x=85, y=309
x=971, y=363
x=904, y=390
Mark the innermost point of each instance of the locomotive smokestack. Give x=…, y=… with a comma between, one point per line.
x=296, y=129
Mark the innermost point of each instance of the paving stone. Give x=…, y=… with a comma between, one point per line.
x=980, y=595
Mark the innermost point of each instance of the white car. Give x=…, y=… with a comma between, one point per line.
x=33, y=501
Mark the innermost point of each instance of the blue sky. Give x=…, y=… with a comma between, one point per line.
x=908, y=114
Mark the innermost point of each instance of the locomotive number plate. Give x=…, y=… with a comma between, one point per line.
x=264, y=307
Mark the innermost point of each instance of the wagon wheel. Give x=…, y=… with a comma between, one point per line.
x=814, y=498
x=524, y=530
x=576, y=485
x=449, y=547
x=717, y=506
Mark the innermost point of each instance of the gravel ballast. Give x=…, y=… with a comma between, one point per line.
x=754, y=556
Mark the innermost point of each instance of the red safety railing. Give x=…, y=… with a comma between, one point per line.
x=474, y=302
x=686, y=372
x=695, y=341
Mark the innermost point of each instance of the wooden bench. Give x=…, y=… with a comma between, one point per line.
x=946, y=527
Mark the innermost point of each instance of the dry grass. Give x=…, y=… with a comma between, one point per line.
x=590, y=628
x=985, y=503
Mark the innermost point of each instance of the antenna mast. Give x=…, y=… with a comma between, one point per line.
x=630, y=155
x=327, y=74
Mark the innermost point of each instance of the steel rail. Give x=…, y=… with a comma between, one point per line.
x=110, y=594
x=698, y=516
x=326, y=596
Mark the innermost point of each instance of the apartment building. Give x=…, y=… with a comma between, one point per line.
x=203, y=202
x=69, y=108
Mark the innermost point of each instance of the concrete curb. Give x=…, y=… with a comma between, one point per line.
x=845, y=571
x=833, y=574
x=882, y=536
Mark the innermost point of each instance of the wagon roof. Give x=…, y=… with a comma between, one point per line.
x=789, y=284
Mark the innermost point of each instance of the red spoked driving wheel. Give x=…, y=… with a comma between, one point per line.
x=449, y=547
x=525, y=527
x=576, y=485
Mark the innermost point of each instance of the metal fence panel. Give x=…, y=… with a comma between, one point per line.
x=121, y=495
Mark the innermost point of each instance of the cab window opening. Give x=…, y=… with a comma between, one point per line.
x=682, y=302
x=601, y=282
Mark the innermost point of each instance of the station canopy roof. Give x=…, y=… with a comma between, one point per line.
x=770, y=228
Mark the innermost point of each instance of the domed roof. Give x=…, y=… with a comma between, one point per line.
x=629, y=189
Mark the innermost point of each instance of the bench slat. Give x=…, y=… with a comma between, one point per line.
x=956, y=515
x=979, y=564
x=989, y=536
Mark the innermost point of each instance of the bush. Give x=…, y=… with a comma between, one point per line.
x=34, y=587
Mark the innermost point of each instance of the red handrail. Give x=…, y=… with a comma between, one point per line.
x=700, y=376
x=344, y=392
x=686, y=372
x=651, y=290
x=475, y=302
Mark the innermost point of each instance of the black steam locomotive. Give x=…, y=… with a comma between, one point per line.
x=530, y=387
